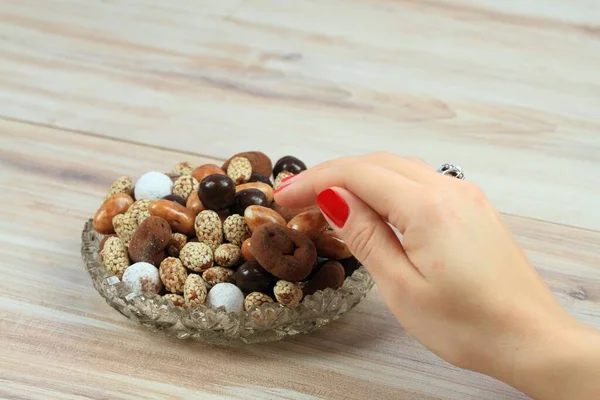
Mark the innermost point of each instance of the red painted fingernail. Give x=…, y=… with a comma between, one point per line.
x=334, y=206
x=284, y=180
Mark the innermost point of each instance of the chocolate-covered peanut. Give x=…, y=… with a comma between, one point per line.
x=288, y=254
x=263, y=187
x=311, y=222
x=289, y=213
x=350, y=265
x=255, y=177
x=179, y=218
x=290, y=164
x=248, y=197
x=205, y=170
x=251, y=277
x=217, y=192
x=330, y=274
x=194, y=204
x=330, y=246
x=256, y=216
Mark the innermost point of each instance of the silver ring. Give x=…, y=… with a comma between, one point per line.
x=453, y=170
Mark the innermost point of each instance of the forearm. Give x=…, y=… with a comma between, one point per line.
x=565, y=365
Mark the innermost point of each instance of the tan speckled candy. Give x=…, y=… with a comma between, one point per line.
x=125, y=226
x=215, y=275
x=256, y=299
x=236, y=230
x=227, y=255
x=196, y=256
x=183, y=168
x=281, y=176
x=288, y=293
x=173, y=274
x=114, y=256
x=139, y=210
x=185, y=185
x=239, y=170
x=178, y=300
x=194, y=291
x=178, y=240
x=121, y=185
x=209, y=228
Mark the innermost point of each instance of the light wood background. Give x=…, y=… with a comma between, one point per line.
x=93, y=89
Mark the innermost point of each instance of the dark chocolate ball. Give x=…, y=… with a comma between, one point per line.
x=248, y=197
x=256, y=177
x=288, y=163
x=217, y=192
x=175, y=198
x=350, y=265
x=251, y=277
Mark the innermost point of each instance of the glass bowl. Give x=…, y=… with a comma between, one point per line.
x=270, y=322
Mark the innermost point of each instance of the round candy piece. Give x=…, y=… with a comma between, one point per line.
x=217, y=192
x=143, y=277
x=251, y=277
x=288, y=254
x=290, y=164
x=248, y=197
x=226, y=295
x=256, y=177
x=153, y=186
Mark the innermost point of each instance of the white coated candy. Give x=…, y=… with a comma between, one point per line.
x=227, y=295
x=143, y=277
x=153, y=186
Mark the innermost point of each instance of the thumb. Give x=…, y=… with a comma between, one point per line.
x=370, y=239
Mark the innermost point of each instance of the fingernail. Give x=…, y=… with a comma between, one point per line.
x=284, y=180
x=334, y=206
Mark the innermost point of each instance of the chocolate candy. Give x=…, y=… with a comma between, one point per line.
x=255, y=177
x=251, y=277
x=217, y=192
x=330, y=274
x=150, y=240
x=179, y=218
x=289, y=163
x=246, y=198
x=332, y=247
x=350, y=265
x=205, y=170
x=260, y=162
x=175, y=198
x=288, y=254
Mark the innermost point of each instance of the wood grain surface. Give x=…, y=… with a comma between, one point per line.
x=93, y=90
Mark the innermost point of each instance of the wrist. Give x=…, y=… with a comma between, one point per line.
x=560, y=361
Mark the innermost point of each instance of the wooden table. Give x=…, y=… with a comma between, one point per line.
x=90, y=90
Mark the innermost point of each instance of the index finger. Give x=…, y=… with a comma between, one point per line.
x=390, y=194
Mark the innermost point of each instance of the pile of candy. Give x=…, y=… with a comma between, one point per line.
x=213, y=235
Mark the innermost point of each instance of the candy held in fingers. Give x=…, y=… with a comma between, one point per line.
x=330, y=274
x=256, y=216
x=153, y=186
x=330, y=246
x=309, y=222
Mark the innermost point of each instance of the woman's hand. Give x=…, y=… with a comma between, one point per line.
x=457, y=280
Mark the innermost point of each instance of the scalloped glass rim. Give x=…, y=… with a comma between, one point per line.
x=269, y=322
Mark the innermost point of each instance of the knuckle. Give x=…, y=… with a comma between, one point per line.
x=361, y=241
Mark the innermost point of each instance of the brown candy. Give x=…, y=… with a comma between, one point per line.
x=116, y=204
x=256, y=216
x=330, y=274
x=330, y=246
x=251, y=277
x=179, y=218
x=288, y=254
x=263, y=187
x=194, y=204
x=311, y=222
x=247, y=250
x=289, y=213
x=150, y=240
x=260, y=162
x=205, y=170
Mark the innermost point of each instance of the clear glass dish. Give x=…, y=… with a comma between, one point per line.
x=270, y=322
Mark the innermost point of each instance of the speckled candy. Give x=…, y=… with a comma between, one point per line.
x=226, y=295
x=143, y=277
x=153, y=186
x=194, y=291
x=236, y=230
x=196, y=256
x=209, y=228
